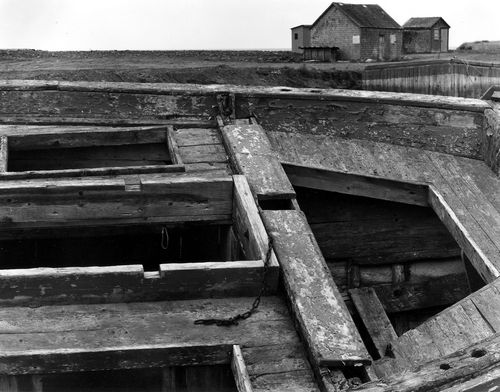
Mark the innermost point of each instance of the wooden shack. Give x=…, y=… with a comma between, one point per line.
x=360, y=31
x=159, y=237
x=426, y=35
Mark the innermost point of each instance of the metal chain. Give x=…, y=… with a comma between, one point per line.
x=230, y=321
x=164, y=238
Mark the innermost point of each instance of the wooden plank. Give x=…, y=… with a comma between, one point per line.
x=488, y=381
x=246, y=91
x=458, y=133
x=135, y=335
x=412, y=296
x=72, y=285
x=478, y=248
x=487, y=301
x=324, y=321
x=491, y=140
x=203, y=153
x=374, y=318
x=240, y=372
x=185, y=122
x=197, y=136
x=4, y=153
x=173, y=148
x=250, y=229
x=470, y=195
x=49, y=285
x=247, y=219
x=162, y=197
x=212, y=279
x=251, y=153
x=54, y=137
x=280, y=368
x=352, y=184
x=111, y=105
x=449, y=371
x=105, y=171
x=380, y=160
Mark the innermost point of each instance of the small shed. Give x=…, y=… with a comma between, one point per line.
x=301, y=37
x=426, y=35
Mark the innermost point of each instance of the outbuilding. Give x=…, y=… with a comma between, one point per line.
x=426, y=35
x=360, y=31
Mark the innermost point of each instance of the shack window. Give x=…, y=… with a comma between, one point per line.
x=355, y=39
x=393, y=39
x=436, y=34
x=296, y=36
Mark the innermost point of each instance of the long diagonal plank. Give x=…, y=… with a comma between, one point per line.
x=374, y=318
x=325, y=322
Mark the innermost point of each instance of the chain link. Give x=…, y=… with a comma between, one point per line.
x=230, y=321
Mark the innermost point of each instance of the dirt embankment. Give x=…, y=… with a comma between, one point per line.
x=264, y=68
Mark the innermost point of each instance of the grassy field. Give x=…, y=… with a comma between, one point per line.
x=266, y=68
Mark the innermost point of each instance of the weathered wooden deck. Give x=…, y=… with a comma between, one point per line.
x=83, y=158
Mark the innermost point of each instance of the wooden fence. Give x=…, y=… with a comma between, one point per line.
x=437, y=77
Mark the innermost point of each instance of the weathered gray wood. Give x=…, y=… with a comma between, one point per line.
x=468, y=234
x=409, y=296
x=445, y=372
x=213, y=279
x=52, y=285
x=136, y=335
x=374, y=318
x=162, y=196
x=105, y=171
x=353, y=184
x=281, y=368
x=197, y=136
x=240, y=372
x=455, y=328
x=491, y=141
x=470, y=195
x=173, y=148
x=98, y=104
x=488, y=381
x=203, y=153
x=187, y=89
x=457, y=132
x=73, y=285
x=487, y=301
x=4, y=153
x=250, y=229
x=323, y=318
x=251, y=153
x=31, y=137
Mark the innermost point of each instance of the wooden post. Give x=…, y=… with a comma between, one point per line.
x=241, y=377
x=4, y=153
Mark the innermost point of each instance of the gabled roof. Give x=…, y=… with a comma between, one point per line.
x=423, y=23
x=364, y=15
x=302, y=25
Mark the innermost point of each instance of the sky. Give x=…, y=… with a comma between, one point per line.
x=207, y=24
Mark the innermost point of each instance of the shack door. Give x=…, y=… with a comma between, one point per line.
x=444, y=40
x=381, y=47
